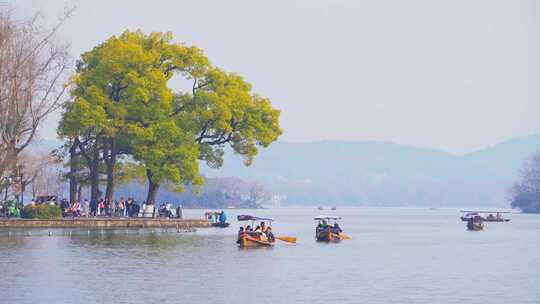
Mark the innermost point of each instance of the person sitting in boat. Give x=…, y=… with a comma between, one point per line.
x=222, y=217
x=263, y=237
x=263, y=227
x=240, y=233
x=336, y=228
x=270, y=235
x=248, y=228
x=259, y=233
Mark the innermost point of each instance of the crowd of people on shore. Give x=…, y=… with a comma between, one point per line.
x=118, y=208
x=102, y=208
x=99, y=208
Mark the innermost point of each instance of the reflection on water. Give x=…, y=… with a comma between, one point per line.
x=396, y=255
x=120, y=239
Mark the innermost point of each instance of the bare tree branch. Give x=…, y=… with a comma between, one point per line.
x=33, y=76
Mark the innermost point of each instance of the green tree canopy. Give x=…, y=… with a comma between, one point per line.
x=122, y=93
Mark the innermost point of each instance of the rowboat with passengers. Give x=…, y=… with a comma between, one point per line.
x=259, y=233
x=475, y=223
x=328, y=229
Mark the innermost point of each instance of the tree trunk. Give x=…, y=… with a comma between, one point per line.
x=79, y=192
x=92, y=162
x=94, y=176
x=72, y=173
x=33, y=192
x=153, y=188
x=110, y=162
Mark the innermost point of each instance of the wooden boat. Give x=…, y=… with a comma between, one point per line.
x=326, y=235
x=492, y=218
x=221, y=225
x=475, y=223
x=218, y=219
x=327, y=229
x=253, y=239
x=489, y=218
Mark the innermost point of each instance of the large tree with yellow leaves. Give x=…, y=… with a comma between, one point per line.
x=124, y=105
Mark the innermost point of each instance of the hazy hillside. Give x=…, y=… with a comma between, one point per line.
x=379, y=173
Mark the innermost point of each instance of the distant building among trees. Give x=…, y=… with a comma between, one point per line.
x=525, y=194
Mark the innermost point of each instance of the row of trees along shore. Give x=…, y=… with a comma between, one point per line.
x=121, y=116
x=125, y=119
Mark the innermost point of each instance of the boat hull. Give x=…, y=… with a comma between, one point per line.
x=464, y=219
x=247, y=241
x=327, y=236
x=475, y=226
x=220, y=225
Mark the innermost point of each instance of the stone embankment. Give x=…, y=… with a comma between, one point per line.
x=105, y=223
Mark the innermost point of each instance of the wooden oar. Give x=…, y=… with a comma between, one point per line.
x=341, y=236
x=288, y=239
x=344, y=236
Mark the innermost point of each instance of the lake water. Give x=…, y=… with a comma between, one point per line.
x=395, y=255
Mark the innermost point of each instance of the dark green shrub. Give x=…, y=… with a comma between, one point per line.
x=43, y=211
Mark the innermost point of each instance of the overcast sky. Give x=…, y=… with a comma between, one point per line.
x=455, y=75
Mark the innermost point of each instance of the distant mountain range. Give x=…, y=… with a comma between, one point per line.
x=378, y=173
x=385, y=174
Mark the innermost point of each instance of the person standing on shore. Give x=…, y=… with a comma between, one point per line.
x=93, y=207
x=120, y=208
x=129, y=205
x=101, y=207
x=112, y=208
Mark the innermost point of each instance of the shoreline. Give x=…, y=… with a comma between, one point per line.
x=104, y=223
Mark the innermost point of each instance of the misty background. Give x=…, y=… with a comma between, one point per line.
x=383, y=102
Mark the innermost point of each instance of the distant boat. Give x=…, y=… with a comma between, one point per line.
x=334, y=208
x=476, y=223
x=320, y=208
x=489, y=218
x=326, y=231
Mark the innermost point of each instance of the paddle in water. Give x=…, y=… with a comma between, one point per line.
x=288, y=239
x=344, y=236
x=341, y=236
